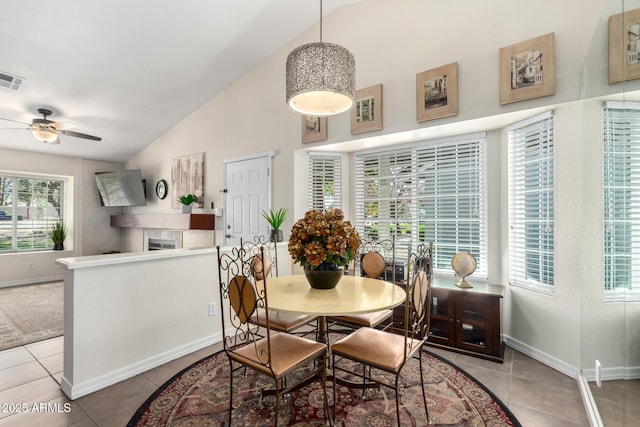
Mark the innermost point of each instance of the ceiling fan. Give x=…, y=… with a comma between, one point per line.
x=46, y=130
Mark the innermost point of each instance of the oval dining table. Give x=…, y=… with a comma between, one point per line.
x=352, y=295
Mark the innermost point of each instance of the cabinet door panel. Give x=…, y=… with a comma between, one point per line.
x=442, y=325
x=473, y=315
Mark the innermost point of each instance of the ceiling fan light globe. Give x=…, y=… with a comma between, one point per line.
x=45, y=136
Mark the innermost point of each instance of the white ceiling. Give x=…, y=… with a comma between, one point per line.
x=128, y=71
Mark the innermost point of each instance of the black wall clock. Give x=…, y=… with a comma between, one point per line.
x=161, y=189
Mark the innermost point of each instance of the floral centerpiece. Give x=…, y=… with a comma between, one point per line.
x=323, y=241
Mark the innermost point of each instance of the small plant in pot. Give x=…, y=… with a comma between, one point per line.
x=186, y=201
x=58, y=234
x=275, y=220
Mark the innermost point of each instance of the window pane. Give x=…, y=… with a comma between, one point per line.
x=430, y=192
x=531, y=203
x=28, y=209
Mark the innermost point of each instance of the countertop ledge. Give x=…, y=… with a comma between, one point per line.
x=73, y=263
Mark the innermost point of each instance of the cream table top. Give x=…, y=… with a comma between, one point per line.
x=352, y=295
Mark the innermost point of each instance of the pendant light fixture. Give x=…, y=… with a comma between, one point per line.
x=320, y=78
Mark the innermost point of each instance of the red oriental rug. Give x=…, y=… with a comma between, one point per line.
x=199, y=396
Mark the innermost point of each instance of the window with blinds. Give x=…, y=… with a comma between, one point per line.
x=431, y=192
x=621, y=201
x=29, y=207
x=325, y=182
x=531, y=204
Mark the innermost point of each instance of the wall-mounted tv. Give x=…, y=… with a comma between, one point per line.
x=121, y=188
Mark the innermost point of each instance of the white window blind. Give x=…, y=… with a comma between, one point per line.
x=621, y=201
x=29, y=207
x=325, y=182
x=531, y=204
x=431, y=192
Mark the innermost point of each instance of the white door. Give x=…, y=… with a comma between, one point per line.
x=248, y=190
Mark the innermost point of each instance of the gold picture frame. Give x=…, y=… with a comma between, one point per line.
x=437, y=92
x=528, y=69
x=314, y=129
x=366, y=114
x=624, y=46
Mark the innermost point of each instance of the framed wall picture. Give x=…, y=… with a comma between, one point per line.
x=528, y=69
x=366, y=114
x=437, y=92
x=314, y=129
x=624, y=46
x=187, y=177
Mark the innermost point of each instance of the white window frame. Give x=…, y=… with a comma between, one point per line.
x=531, y=204
x=20, y=220
x=416, y=193
x=621, y=201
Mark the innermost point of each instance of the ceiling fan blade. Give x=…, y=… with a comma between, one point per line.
x=78, y=135
x=16, y=121
x=63, y=125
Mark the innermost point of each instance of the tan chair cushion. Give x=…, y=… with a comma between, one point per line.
x=384, y=350
x=373, y=265
x=284, y=322
x=287, y=352
x=370, y=320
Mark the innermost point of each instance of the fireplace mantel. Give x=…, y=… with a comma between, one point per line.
x=166, y=221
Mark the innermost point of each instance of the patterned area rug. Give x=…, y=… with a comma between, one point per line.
x=30, y=313
x=199, y=396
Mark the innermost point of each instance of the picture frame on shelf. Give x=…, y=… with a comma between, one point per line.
x=527, y=69
x=366, y=114
x=314, y=129
x=624, y=46
x=437, y=92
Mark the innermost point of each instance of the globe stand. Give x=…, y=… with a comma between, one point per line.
x=464, y=264
x=463, y=284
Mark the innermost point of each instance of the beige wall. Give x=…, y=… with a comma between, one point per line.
x=90, y=234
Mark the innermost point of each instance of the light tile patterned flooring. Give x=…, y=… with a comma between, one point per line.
x=30, y=375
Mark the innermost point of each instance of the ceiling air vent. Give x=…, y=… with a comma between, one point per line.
x=10, y=81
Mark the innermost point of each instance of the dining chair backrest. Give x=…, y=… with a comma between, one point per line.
x=242, y=297
x=252, y=248
x=376, y=257
x=418, y=302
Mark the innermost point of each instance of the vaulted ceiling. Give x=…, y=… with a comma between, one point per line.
x=128, y=71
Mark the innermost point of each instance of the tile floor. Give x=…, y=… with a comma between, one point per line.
x=30, y=375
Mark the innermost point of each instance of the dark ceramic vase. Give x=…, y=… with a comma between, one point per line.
x=325, y=276
x=276, y=236
x=58, y=246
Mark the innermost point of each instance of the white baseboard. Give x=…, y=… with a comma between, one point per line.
x=75, y=391
x=589, y=403
x=552, y=362
x=614, y=373
x=33, y=281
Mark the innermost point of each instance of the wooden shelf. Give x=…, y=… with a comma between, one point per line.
x=166, y=221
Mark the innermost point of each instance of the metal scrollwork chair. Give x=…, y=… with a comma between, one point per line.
x=375, y=258
x=281, y=322
x=386, y=351
x=276, y=355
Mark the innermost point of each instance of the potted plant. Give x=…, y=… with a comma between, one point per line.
x=186, y=200
x=57, y=234
x=275, y=220
x=323, y=243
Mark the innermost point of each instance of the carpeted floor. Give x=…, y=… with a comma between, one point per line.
x=199, y=395
x=30, y=313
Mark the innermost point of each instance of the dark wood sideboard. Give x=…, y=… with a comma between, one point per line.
x=466, y=321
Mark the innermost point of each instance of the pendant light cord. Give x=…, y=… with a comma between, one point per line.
x=320, y=21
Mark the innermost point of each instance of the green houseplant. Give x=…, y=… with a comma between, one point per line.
x=58, y=234
x=275, y=220
x=186, y=200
